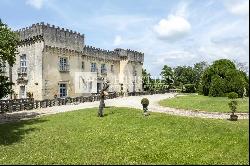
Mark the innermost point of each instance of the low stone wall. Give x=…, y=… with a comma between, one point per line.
x=30, y=104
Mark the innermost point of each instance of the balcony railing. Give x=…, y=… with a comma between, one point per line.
x=22, y=70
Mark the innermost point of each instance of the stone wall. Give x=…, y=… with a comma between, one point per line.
x=34, y=69
x=52, y=75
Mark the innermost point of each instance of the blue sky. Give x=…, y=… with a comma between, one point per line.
x=172, y=32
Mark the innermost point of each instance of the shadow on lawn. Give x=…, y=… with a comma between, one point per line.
x=13, y=132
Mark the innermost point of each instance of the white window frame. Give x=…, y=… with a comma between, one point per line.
x=112, y=68
x=83, y=65
x=103, y=68
x=23, y=63
x=93, y=67
x=65, y=88
x=63, y=63
x=134, y=71
x=3, y=67
x=22, y=92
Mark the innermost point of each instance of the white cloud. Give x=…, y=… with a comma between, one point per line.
x=38, y=4
x=239, y=7
x=173, y=28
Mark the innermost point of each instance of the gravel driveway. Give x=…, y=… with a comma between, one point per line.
x=132, y=101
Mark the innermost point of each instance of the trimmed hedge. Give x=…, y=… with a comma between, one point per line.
x=232, y=95
x=189, y=88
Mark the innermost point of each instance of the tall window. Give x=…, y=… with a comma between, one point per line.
x=112, y=68
x=63, y=64
x=93, y=67
x=83, y=65
x=63, y=90
x=2, y=67
x=22, y=92
x=134, y=71
x=103, y=68
x=23, y=63
x=90, y=86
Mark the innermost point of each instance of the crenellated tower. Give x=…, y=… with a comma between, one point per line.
x=52, y=36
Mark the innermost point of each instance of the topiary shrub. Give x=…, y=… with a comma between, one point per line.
x=189, y=88
x=232, y=95
x=233, y=105
x=145, y=101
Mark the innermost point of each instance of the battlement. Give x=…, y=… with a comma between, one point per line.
x=130, y=54
x=53, y=36
x=56, y=37
x=91, y=49
x=117, y=54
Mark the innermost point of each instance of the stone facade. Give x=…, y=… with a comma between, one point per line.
x=44, y=48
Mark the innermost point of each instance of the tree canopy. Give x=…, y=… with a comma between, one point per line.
x=8, y=50
x=223, y=77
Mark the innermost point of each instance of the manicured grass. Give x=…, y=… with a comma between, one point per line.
x=205, y=103
x=123, y=136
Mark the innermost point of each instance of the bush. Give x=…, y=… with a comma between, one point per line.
x=232, y=95
x=145, y=101
x=189, y=88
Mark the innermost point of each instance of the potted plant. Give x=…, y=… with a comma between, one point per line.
x=29, y=95
x=233, y=105
x=145, y=103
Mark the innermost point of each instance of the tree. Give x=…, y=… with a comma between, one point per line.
x=184, y=75
x=199, y=69
x=8, y=50
x=242, y=66
x=221, y=78
x=167, y=75
x=146, y=80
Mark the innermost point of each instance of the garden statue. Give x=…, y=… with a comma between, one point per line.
x=145, y=103
x=103, y=93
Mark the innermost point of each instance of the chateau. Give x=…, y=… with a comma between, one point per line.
x=49, y=58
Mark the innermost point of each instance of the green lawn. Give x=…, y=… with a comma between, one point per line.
x=205, y=103
x=123, y=136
